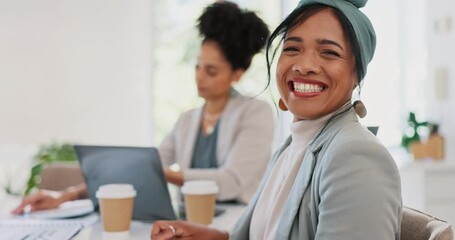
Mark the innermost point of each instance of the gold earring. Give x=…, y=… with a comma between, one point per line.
x=282, y=106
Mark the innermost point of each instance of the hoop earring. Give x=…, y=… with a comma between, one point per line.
x=359, y=106
x=281, y=105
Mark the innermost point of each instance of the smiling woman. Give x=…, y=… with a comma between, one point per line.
x=331, y=174
x=316, y=74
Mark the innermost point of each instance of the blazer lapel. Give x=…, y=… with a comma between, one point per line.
x=242, y=228
x=303, y=178
x=293, y=203
x=187, y=153
x=225, y=129
x=302, y=182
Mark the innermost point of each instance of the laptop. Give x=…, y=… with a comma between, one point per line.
x=139, y=166
x=373, y=129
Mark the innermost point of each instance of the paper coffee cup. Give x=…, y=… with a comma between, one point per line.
x=200, y=198
x=116, y=203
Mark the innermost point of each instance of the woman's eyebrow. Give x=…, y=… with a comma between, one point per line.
x=210, y=67
x=330, y=42
x=295, y=39
x=320, y=41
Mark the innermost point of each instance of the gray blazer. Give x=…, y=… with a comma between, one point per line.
x=244, y=145
x=348, y=187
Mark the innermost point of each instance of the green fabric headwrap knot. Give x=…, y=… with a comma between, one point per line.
x=363, y=28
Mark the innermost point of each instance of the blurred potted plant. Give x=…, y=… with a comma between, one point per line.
x=432, y=147
x=47, y=154
x=412, y=132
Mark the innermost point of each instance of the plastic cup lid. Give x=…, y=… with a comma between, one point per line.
x=116, y=191
x=200, y=187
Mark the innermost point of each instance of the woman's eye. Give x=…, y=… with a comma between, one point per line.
x=331, y=53
x=290, y=49
x=211, y=73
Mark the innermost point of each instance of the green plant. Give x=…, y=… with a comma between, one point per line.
x=47, y=154
x=412, y=134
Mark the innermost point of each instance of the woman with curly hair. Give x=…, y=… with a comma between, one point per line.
x=228, y=139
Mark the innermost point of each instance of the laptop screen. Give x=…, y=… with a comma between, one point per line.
x=139, y=166
x=373, y=129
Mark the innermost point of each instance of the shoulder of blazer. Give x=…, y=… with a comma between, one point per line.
x=190, y=113
x=241, y=103
x=188, y=119
x=337, y=122
x=347, y=134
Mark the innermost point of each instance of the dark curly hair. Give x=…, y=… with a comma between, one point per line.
x=239, y=33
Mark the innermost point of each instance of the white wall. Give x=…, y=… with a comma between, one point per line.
x=77, y=70
x=441, y=51
x=383, y=101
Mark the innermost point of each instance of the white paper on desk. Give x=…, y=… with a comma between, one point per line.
x=38, y=229
x=65, y=210
x=85, y=221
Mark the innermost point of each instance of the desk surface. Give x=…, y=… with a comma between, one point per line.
x=140, y=230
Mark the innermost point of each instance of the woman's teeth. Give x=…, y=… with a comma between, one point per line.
x=305, y=87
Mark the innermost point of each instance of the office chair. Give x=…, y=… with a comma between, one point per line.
x=416, y=225
x=59, y=176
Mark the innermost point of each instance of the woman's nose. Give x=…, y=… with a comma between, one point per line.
x=306, y=64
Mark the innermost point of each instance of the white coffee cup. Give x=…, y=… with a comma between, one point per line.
x=116, y=203
x=200, y=198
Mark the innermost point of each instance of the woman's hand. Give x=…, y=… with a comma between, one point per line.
x=163, y=230
x=43, y=199
x=174, y=177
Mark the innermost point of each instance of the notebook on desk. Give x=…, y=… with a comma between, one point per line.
x=139, y=166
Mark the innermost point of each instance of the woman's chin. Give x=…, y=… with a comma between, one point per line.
x=305, y=115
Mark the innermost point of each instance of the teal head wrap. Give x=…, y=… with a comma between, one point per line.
x=363, y=29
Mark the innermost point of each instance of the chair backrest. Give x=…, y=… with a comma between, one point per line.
x=416, y=225
x=59, y=176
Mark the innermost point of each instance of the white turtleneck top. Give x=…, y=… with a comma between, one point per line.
x=268, y=209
